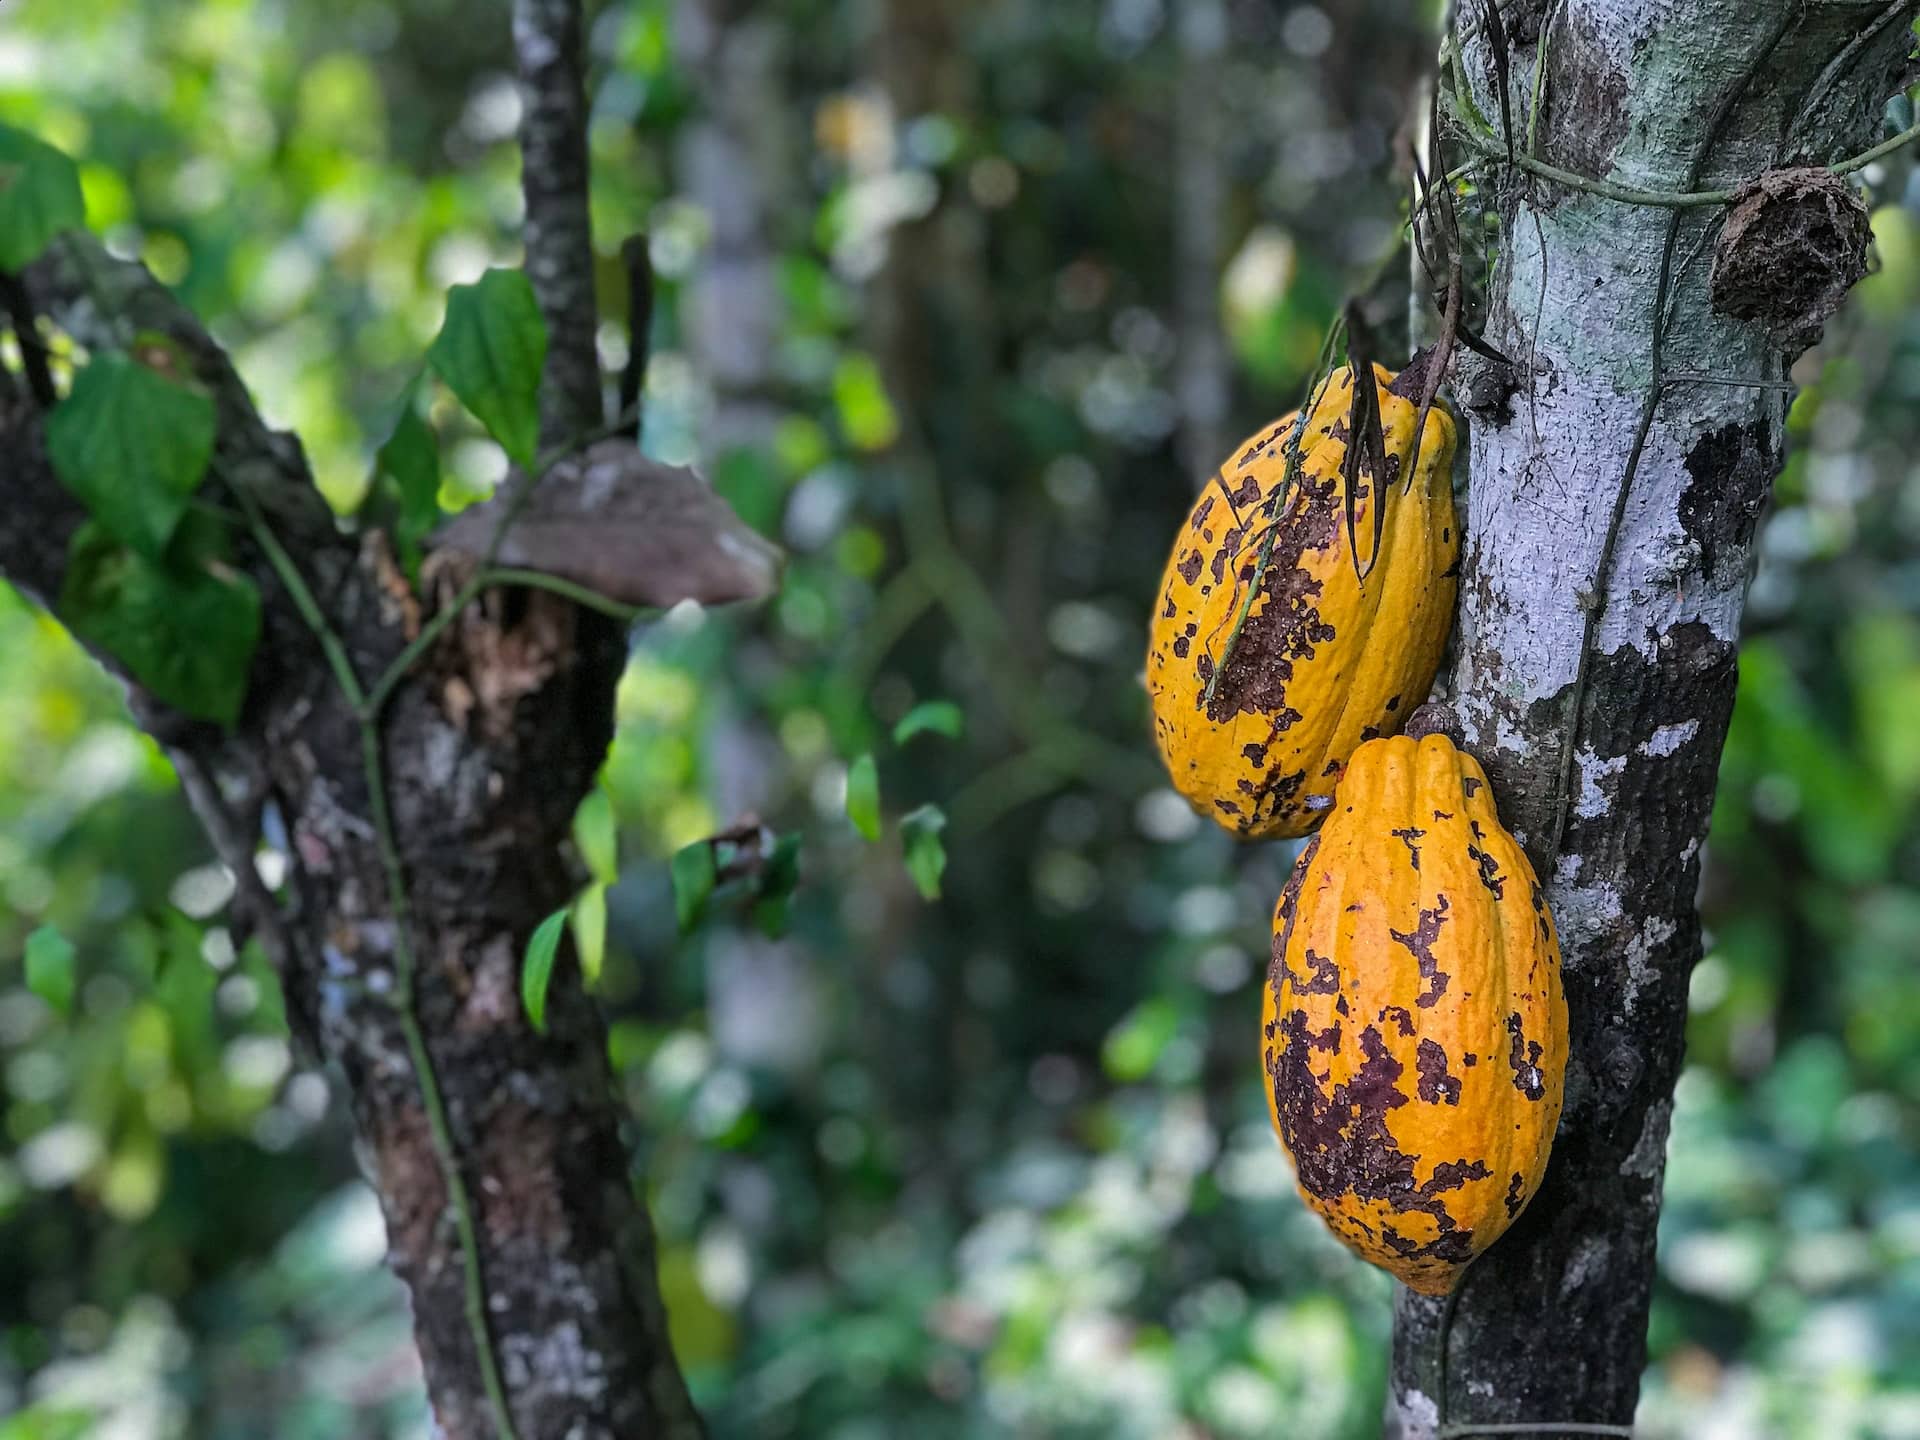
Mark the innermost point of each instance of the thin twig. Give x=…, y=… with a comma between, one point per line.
x=33, y=352
x=234, y=838
x=1540, y=77
x=1537, y=1427
x=1365, y=441
x=1502, y=61
x=637, y=256
x=1442, y=355
x=1696, y=377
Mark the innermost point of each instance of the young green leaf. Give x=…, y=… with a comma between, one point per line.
x=490, y=351
x=939, y=717
x=926, y=853
x=134, y=446
x=590, y=930
x=596, y=836
x=536, y=973
x=410, y=460
x=186, y=631
x=50, y=968
x=694, y=876
x=39, y=197
x=863, y=796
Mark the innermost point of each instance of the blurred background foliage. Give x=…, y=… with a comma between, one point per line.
x=957, y=302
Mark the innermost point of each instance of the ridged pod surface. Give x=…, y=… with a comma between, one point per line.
x=1415, y=1028
x=1326, y=660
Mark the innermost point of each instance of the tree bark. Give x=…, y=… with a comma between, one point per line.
x=1599, y=622
x=548, y=47
x=487, y=748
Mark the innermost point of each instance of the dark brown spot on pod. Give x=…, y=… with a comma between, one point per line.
x=1436, y=1085
x=1524, y=1056
x=1420, y=943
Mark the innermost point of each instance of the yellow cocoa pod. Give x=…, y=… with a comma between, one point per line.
x=1415, y=1029
x=1325, y=660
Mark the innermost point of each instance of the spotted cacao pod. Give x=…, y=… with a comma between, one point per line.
x=1415, y=1029
x=1325, y=660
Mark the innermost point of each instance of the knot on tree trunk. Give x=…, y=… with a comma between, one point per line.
x=1794, y=243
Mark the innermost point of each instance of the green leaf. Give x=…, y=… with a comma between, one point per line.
x=536, y=974
x=590, y=930
x=863, y=797
x=1133, y=1047
x=939, y=717
x=597, y=836
x=185, y=630
x=694, y=876
x=39, y=197
x=778, y=878
x=926, y=853
x=134, y=446
x=50, y=968
x=411, y=461
x=45, y=1423
x=490, y=351
x=860, y=395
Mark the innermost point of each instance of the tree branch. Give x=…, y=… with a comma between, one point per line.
x=559, y=228
x=527, y=1124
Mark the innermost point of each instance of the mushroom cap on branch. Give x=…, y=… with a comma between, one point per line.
x=627, y=527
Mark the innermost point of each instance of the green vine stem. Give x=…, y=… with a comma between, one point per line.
x=1490, y=146
x=368, y=705
x=401, y=997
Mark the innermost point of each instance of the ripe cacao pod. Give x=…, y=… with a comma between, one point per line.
x=1415, y=1029
x=1325, y=660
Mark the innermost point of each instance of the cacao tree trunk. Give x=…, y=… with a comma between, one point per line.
x=1598, y=628
x=513, y=1212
